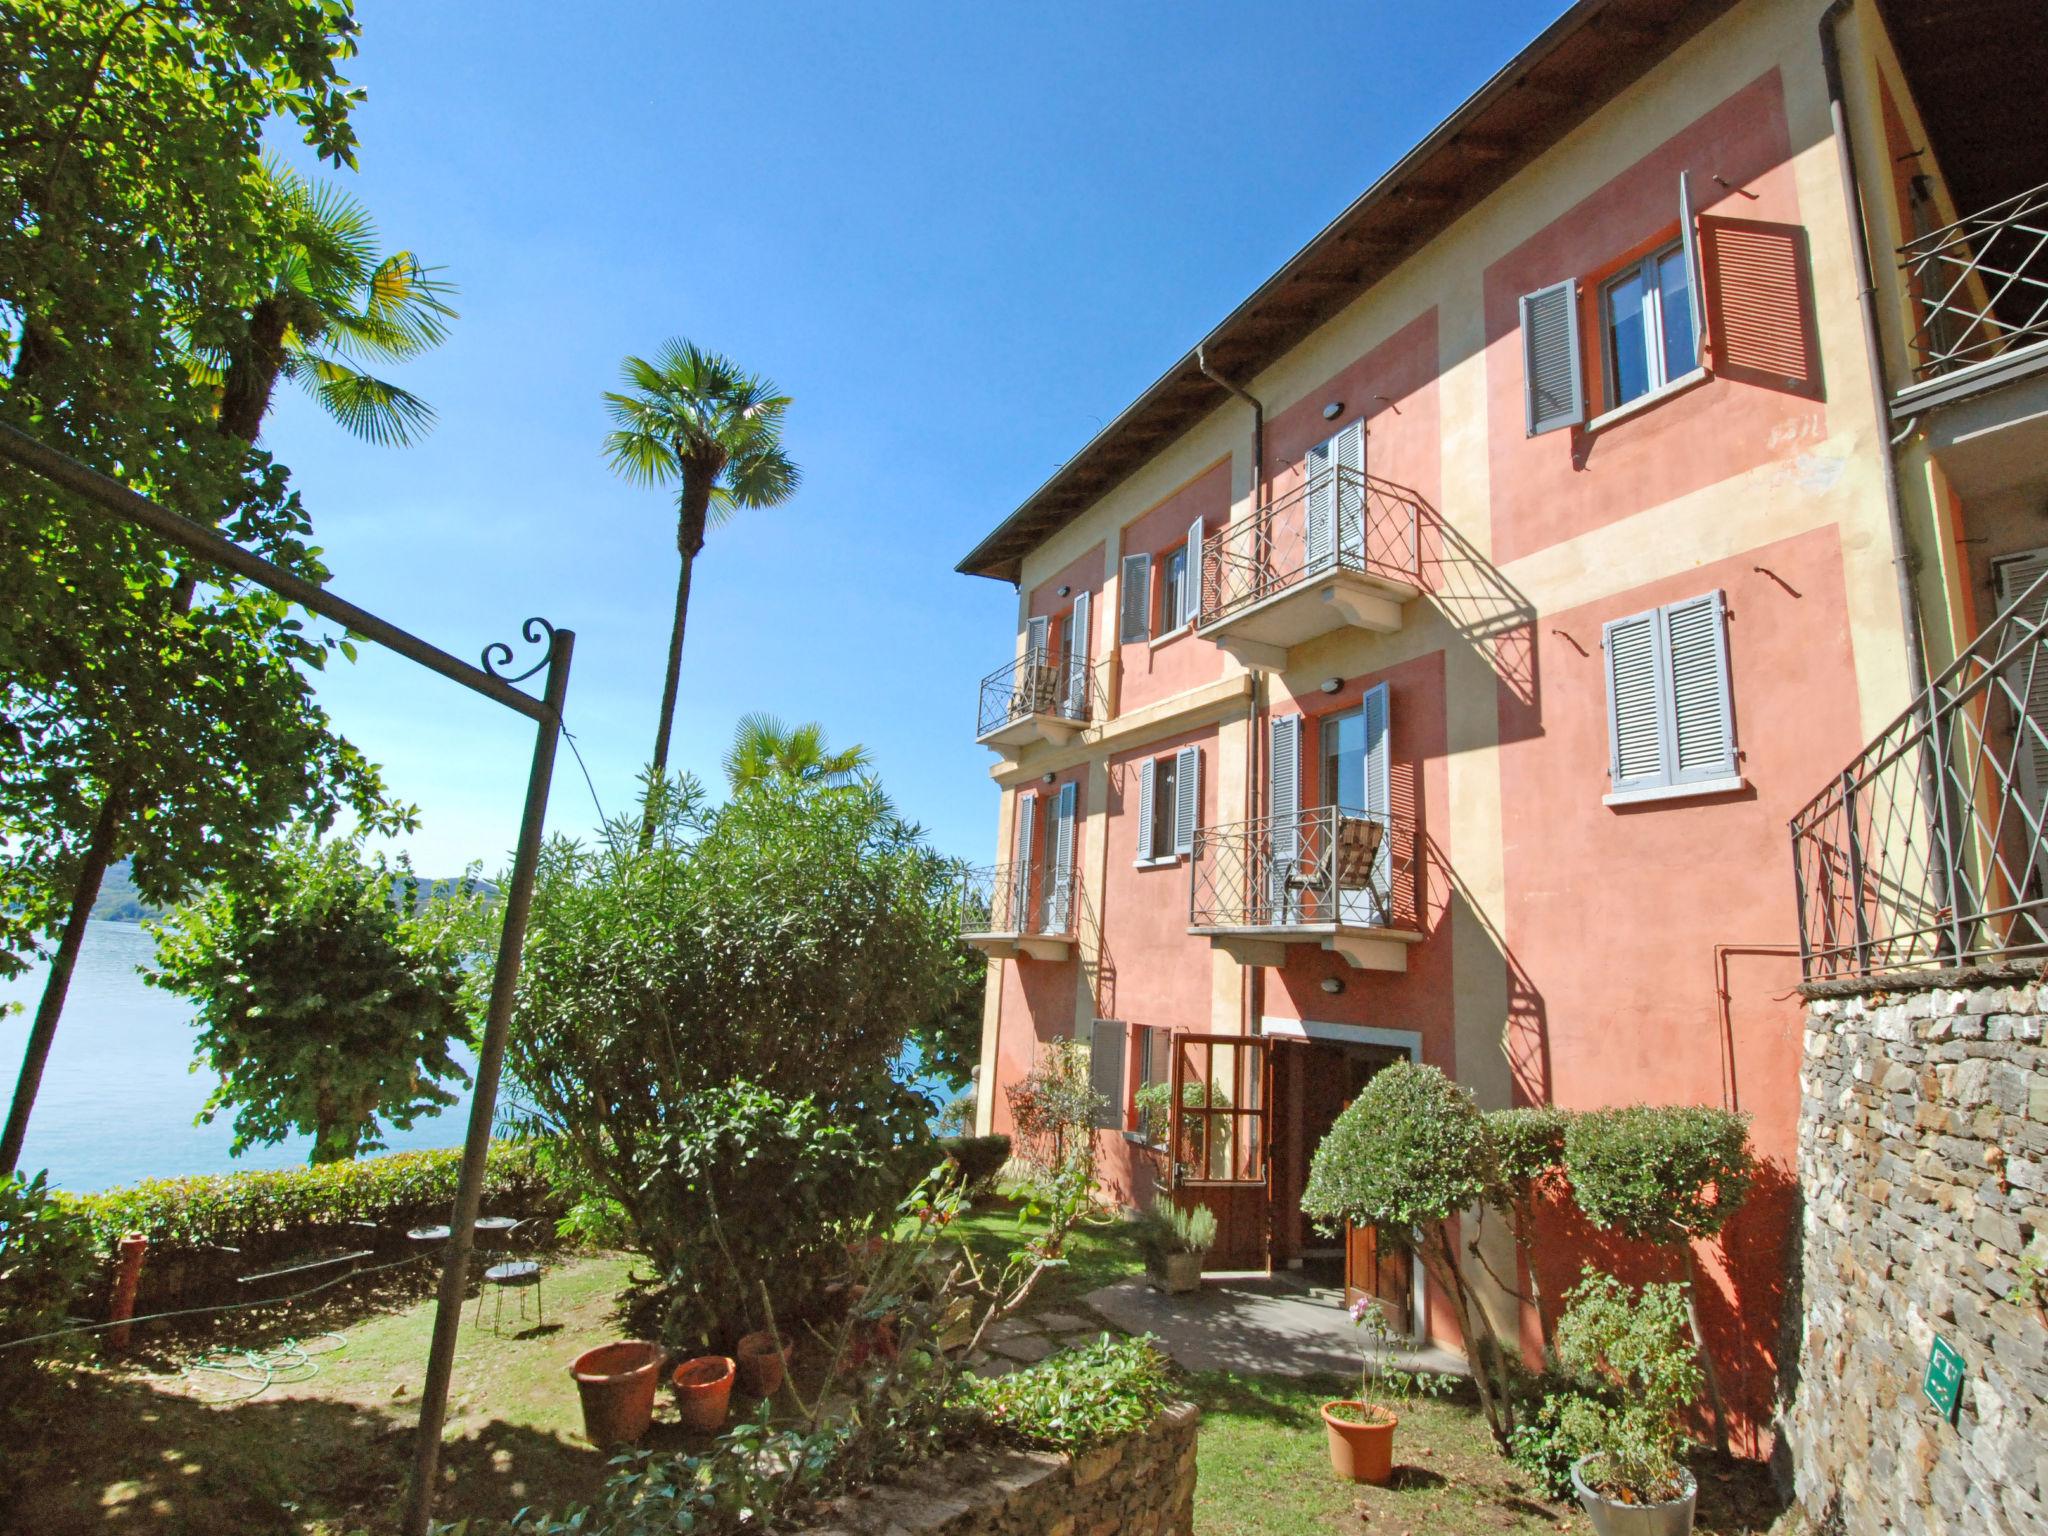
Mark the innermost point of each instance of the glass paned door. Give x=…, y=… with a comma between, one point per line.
x=1218, y=1120
x=1354, y=781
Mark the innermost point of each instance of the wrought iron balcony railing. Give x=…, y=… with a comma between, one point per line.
x=1928, y=849
x=1018, y=898
x=1038, y=683
x=1340, y=520
x=1314, y=868
x=1982, y=285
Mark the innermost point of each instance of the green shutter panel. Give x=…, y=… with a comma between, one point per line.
x=1134, y=599
x=1702, y=721
x=1635, y=703
x=1553, y=374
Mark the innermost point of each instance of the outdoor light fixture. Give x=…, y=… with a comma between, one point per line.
x=1050, y=777
x=1065, y=590
x=1333, y=685
x=1333, y=410
x=1333, y=985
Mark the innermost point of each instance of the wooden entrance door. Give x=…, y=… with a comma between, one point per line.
x=1221, y=1151
x=1373, y=1267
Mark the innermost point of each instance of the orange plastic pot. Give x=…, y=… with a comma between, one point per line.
x=763, y=1362
x=1360, y=1452
x=703, y=1389
x=617, y=1383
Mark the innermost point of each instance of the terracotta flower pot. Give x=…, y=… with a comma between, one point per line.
x=616, y=1383
x=1360, y=1451
x=703, y=1388
x=763, y=1362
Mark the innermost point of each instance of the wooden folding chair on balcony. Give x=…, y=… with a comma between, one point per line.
x=1358, y=850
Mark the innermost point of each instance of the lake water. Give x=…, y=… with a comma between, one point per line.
x=118, y=1098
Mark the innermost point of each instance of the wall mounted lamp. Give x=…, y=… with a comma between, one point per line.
x=1333, y=410
x=1049, y=778
x=1333, y=685
x=1333, y=985
x=1064, y=591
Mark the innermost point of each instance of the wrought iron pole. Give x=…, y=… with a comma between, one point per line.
x=476, y=1147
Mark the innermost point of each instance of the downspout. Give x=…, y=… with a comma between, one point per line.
x=1258, y=425
x=1873, y=346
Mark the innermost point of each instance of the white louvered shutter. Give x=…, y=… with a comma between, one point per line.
x=1689, y=240
x=1284, y=800
x=1060, y=899
x=2028, y=680
x=1187, y=798
x=1191, y=584
x=1134, y=599
x=1320, y=532
x=1348, y=455
x=1017, y=919
x=1702, y=730
x=1148, y=776
x=1635, y=703
x=1553, y=374
x=1379, y=802
x=1108, y=1062
x=1074, y=668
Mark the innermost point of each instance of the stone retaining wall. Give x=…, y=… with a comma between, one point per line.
x=1923, y=1162
x=1142, y=1485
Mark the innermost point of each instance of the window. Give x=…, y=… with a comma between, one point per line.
x=1646, y=321
x=1146, y=1117
x=1173, y=593
x=1169, y=805
x=1134, y=599
x=1670, y=724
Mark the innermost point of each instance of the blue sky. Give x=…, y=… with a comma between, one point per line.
x=961, y=237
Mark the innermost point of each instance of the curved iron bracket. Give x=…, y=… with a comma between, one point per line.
x=498, y=653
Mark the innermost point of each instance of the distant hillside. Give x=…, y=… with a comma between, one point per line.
x=119, y=902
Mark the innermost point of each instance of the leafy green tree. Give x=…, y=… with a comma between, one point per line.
x=1669, y=1175
x=764, y=748
x=330, y=305
x=786, y=940
x=148, y=707
x=1406, y=1157
x=330, y=997
x=1528, y=1151
x=697, y=420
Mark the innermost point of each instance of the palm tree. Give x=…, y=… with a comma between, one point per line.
x=764, y=749
x=333, y=305
x=696, y=419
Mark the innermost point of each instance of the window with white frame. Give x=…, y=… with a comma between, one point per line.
x=1169, y=805
x=1173, y=592
x=1671, y=724
x=1646, y=325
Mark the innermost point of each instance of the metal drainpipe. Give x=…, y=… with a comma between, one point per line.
x=1873, y=346
x=1251, y=976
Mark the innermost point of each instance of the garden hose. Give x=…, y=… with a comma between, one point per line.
x=220, y=1372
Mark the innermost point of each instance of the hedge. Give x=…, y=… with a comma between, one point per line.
x=238, y=1210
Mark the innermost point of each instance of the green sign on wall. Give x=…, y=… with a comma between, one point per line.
x=1943, y=1385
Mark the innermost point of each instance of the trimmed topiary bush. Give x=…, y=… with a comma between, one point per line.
x=1528, y=1151
x=976, y=1160
x=1667, y=1175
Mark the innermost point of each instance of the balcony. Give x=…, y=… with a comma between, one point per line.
x=1930, y=849
x=1012, y=910
x=1039, y=697
x=1343, y=881
x=1981, y=286
x=1341, y=550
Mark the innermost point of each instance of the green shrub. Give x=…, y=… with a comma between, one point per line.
x=1528, y=1143
x=232, y=1209
x=1165, y=1229
x=750, y=1189
x=1545, y=1444
x=45, y=1256
x=976, y=1159
x=1661, y=1174
x=1639, y=1348
x=1071, y=1400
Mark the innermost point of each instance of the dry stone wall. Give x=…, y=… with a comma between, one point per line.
x=1141, y=1485
x=1923, y=1161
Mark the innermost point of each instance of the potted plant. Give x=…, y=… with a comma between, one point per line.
x=1360, y=1430
x=763, y=1361
x=1633, y=1482
x=1175, y=1244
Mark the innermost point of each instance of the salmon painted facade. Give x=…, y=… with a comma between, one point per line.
x=1428, y=666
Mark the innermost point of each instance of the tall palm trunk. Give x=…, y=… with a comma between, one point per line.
x=253, y=372
x=99, y=852
x=696, y=507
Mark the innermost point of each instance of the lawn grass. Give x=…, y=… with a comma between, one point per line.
x=1098, y=1252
